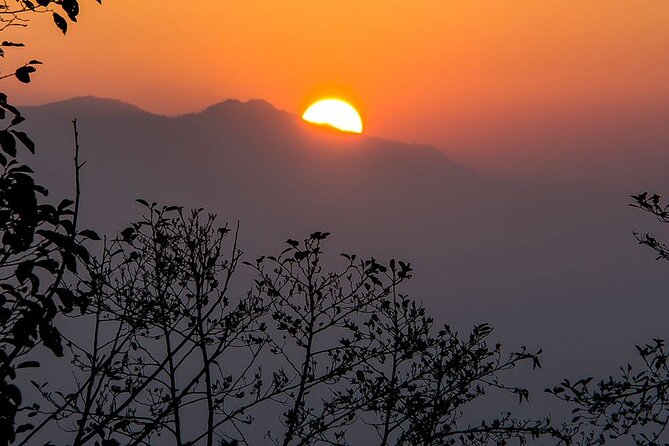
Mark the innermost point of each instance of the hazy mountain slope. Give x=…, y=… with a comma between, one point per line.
x=233, y=154
x=552, y=266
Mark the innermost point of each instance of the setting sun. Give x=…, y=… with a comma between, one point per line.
x=336, y=113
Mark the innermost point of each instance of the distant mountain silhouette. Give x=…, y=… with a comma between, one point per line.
x=542, y=263
x=240, y=158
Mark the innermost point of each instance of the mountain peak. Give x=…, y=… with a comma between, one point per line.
x=237, y=106
x=91, y=104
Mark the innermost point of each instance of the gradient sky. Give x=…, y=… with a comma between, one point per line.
x=459, y=74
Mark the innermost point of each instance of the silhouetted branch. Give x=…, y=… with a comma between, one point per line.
x=635, y=404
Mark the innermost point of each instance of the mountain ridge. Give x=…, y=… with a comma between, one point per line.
x=482, y=249
x=89, y=105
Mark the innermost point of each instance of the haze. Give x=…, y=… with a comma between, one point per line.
x=503, y=145
x=507, y=87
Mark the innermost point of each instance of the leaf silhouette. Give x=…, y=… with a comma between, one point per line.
x=60, y=22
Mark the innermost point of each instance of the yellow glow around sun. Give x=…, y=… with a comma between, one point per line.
x=336, y=113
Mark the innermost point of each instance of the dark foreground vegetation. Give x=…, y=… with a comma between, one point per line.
x=156, y=343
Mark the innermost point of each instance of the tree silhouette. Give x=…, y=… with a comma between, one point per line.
x=320, y=342
x=635, y=404
x=41, y=243
x=353, y=352
x=163, y=328
x=17, y=13
x=653, y=205
x=310, y=355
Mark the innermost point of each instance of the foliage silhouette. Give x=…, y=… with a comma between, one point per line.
x=41, y=243
x=635, y=404
x=332, y=351
x=327, y=353
x=328, y=350
x=388, y=369
x=163, y=322
x=652, y=204
x=17, y=13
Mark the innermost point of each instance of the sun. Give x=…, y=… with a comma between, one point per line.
x=336, y=113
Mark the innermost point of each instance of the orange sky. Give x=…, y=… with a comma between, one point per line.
x=436, y=71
